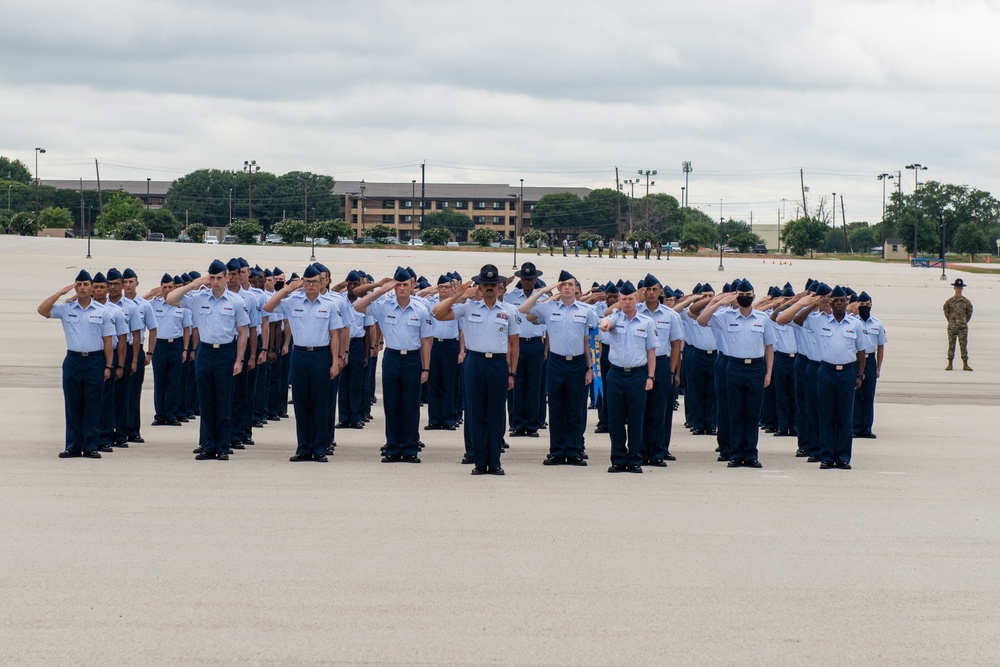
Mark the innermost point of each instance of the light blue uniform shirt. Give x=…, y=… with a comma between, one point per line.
x=567, y=326
x=516, y=297
x=486, y=329
x=169, y=319
x=253, y=307
x=696, y=335
x=217, y=319
x=442, y=330
x=345, y=310
x=668, y=326
x=132, y=318
x=118, y=318
x=311, y=321
x=402, y=328
x=744, y=337
x=146, y=316
x=85, y=328
x=805, y=340
x=272, y=317
x=839, y=342
x=629, y=339
x=784, y=338
x=874, y=333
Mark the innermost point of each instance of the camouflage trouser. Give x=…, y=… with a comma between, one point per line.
x=961, y=333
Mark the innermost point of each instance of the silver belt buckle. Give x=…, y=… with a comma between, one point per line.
x=403, y=352
x=216, y=346
x=791, y=355
x=709, y=352
x=748, y=361
x=85, y=354
x=839, y=368
x=488, y=355
x=440, y=340
x=569, y=357
x=310, y=349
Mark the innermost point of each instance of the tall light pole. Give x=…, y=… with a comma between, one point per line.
x=883, y=177
x=413, y=210
x=362, y=185
x=230, y=206
x=686, y=168
x=8, y=195
x=916, y=167
x=721, y=244
x=631, y=183
x=148, y=179
x=37, y=151
x=517, y=222
x=305, y=215
x=647, y=174
x=250, y=166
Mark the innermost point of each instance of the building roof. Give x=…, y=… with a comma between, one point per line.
x=467, y=191
x=156, y=188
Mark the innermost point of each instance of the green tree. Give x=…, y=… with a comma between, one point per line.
x=381, y=232
x=659, y=213
x=436, y=235
x=863, y=237
x=803, y=235
x=129, y=230
x=291, y=231
x=643, y=235
x=332, y=230
x=699, y=234
x=120, y=207
x=5, y=217
x=55, y=217
x=23, y=224
x=163, y=221
x=246, y=231
x=14, y=170
x=970, y=240
x=588, y=236
x=733, y=228
x=448, y=219
x=599, y=211
x=534, y=235
x=196, y=231
x=560, y=210
x=745, y=241
x=833, y=241
x=484, y=235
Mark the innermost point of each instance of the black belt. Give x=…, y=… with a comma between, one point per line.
x=312, y=348
x=628, y=369
x=747, y=362
x=488, y=355
x=402, y=353
x=566, y=357
x=74, y=353
x=708, y=353
x=446, y=340
x=216, y=346
x=790, y=355
x=869, y=354
x=663, y=356
x=531, y=340
x=850, y=365
x=169, y=340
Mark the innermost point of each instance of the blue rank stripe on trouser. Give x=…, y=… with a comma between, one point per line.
x=783, y=379
x=626, y=405
x=401, y=402
x=214, y=370
x=722, y=405
x=310, y=376
x=659, y=412
x=745, y=391
x=485, y=404
x=864, y=398
x=835, y=391
x=568, y=400
x=83, y=387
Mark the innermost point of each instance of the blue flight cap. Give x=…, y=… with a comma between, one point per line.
x=294, y=276
x=186, y=277
x=178, y=280
x=216, y=267
x=627, y=288
x=678, y=294
x=697, y=289
x=727, y=288
x=311, y=271
x=666, y=290
x=322, y=268
x=707, y=287
x=194, y=275
x=641, y=284
x=611, y=288
x=276, y=271
x=788, y=286
x=353, y=277
x=268, y=273
x=563, y=276
x=401, y=275
x=233, y=264
x=129, y=273
x=864, y=297
x=744, y=286
x=83, y=276
x=413, y=274
x=540, y=283
x=243, y=263
x=823, y=289
x=837, y=292
x=443, y=279
x=788, y=291
x=99, y=278
x=619, y=284
x=167, y=278
x=114, y=274
x=650, y=279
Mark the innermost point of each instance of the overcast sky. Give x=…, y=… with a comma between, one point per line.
x=557, y=93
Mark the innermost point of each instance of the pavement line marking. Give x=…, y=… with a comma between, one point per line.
x=883, y=472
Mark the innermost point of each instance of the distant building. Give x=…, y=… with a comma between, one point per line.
x=494, y=206
x=895, y=249
x=157, y=189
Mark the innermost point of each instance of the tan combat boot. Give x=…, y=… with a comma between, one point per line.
x=966, y=366
x=948, y=368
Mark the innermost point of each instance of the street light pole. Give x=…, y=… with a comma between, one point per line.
x=413, y=209
x=883, y=177
x=686, y=167
x=517, y=222
x=37, y=151
x=230, y=206
x=647, y=174
x=721, y=244
x=362, y=185
x=916, y=167
x=148, y=179
x=249, y=167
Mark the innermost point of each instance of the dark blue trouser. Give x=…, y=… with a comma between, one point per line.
x=83, y=389
x=459, y=403
x=783, y=381
x=722, y=405
x=568, y=396
x=864, y=398
x=835, y=391
x=108, y=410
x=812, y=408
x=769, y=408
x=802, y=364
x=260, y=394
x=401, y=401
x=372, y=375
x=626, y=405
x=543, y=395
x=237, y=426
x=190, y=390
x=214, y=369
x=687, y=357
x=286, y=368
x=274, y=387
x=310, y=375
x=122, y=391
x=135, y=396
x=167, y=379
x=352, y=384
x=331, y=415
x=602, y=402
x=745, y=391
x=251, y=399
x=659, y=412
x=700, y=389
x=442, y=378
x=485, y=404
x=528, y=385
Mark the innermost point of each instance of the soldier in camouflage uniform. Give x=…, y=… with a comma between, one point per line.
x=958, y=312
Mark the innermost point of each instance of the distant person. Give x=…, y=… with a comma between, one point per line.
x=565, y=246
x=635, y=249
x=958, y=312
x=600, y=248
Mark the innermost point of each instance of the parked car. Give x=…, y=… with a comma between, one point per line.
x=452, y=244
x=183, y=238
x=759, y=249
x=368, y=240
x=229, y=240
x=415, y=242
x=391, y=240
x=674, y=246
x=155, y=236
x=272, y=239
x=731, y=248
x=507, y=243
x=211, y=239
x=345, y=240
x=319, y=240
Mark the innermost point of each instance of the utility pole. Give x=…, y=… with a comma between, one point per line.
x=647, y=174
x=100, y=196
x=423, y=191
x=834, y=224
x=843, y=223
x=148, y=179
x=686, y=192
x=883, y=177
x=250, y=166
x=802, y=183
x=917, y=168
x=618, y=191
x=37, y=151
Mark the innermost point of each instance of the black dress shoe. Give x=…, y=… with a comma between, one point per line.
x=575, y=461
x=635, y=469
x=105, y=448
x=504, y=445
x=496, y=470
x=826, y=465
x=699, y=431
x=752, y=463
x=259, y=424
x=842, y=466
x=173, y=422
x=518, y=433
x=658, y=463
x=617, y=468
x=801, y=453
x=204, y=457
x=273, y=418
x=222, y=457
x=554, y=460
x=467, y=460
x=299, y=458
x=391, y=459
x=197, y=450
x=601, y=429
x=283, y=415
x=780, y=434
x=237, y=445
x=867, y=434
x=183, y=420
x=532, y=434
x=136, y=438
x=320, y=459
x=123, y=444
x=718, y=449
x=812, y=459
x=410, y=459
x=737, y=463
x=159, y=422
x=91, y=455
x=248, y=441
x=343, y=425
x=479, y=470
x=584, y=456
x=357, y=425
x=722, y=458
x=448, y=427
x=769, y=430
x=70, y=455
x=433, y=427
x=669, y=457
x=543, y=425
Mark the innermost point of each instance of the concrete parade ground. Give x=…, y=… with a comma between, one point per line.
x=150, y=557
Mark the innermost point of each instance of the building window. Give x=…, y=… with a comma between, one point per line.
x=354, y=218
x=355, y=203
x=408, y=203
x=389, y=203
x=479, y=219
x=480, y=205
x=442, y=204
x=408, y=219
x=513, y=219
x=497, y=219
x=461, y=205
x=388, y=219
x=498, y=206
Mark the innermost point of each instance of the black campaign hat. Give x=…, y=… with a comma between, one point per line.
x=488, y=275
x=959, y=283
x=528, y=270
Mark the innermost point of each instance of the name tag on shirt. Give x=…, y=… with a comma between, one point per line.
x=735, y=326
x=159, y=312
x=205, y=309
x=555, y=317
x=620, y=328
x=475, y=317
x=391, y=318
x=298, y=312
x=96, y=319
x=826, y=331
x=580, y=318
x=72, y=317
x=850, y=333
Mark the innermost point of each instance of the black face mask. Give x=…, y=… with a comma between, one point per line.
x=864, y=311
x=279, y=285
x=744, y=301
